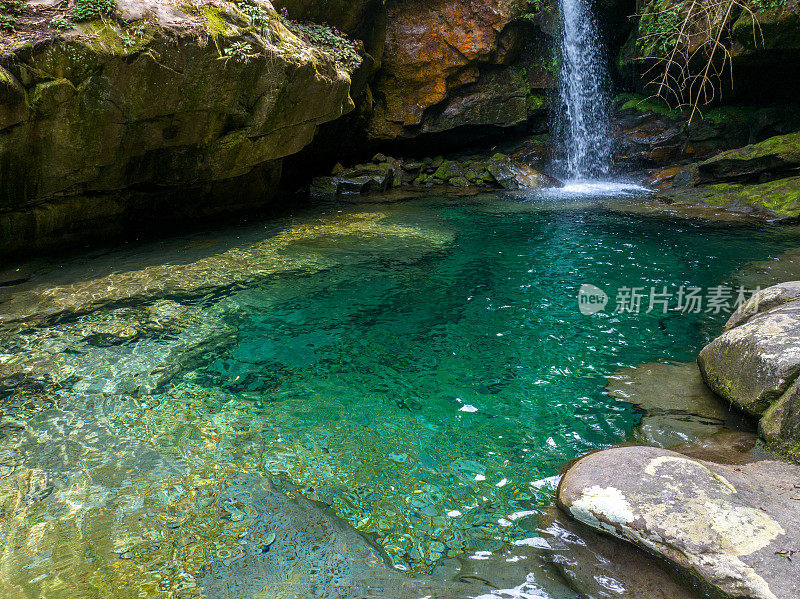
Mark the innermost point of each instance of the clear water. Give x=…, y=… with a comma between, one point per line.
x=582, y=122
x=421, y=367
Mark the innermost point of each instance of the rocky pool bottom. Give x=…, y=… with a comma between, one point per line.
x=332, y=403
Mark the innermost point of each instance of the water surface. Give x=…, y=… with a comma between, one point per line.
x=420, y=366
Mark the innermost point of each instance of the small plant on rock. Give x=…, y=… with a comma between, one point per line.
x=239, y=51
x=328, y=39
x=86, y=10
x=8, y=23
x=132, y=35
x=60, y=22
x=529, y=9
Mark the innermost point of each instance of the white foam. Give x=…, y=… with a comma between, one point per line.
x=599, y=188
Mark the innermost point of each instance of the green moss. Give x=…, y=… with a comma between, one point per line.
x=781, y=197
x=104, y=37
x=215, y=25
x=788, y=450
x=642, y=103
x=785, y=147
x=536, y=102
x=725, y=114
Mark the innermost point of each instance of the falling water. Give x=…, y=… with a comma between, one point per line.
x=583, y=129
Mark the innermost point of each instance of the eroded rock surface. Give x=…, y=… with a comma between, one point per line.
x=729, y=528
x=198, y=103
x=445, y=64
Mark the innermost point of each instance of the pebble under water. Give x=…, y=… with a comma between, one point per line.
x=419, y=366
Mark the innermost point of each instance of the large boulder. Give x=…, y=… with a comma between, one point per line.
x=730, y=529
x=167, y=113
x=755, y=363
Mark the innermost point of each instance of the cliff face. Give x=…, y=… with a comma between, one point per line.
x=448, y=64
x=186, y=111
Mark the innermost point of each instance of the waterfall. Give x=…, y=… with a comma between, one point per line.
x=582, y=120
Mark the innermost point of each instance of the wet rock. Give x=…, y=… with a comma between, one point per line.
x=728, y=528
x=535, y=152
x=662, y=178
x=678, y=407
x=596, y=565
x=724, y=447
x=773, y=201
x=773, y=158
x=647, y=139
x=449, y=169
x=754, y=363
x=667, y=208
x=512, y=175
x=380, y=175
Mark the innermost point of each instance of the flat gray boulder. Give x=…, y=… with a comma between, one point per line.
x=732, y=529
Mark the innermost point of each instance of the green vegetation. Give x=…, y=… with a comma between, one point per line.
x=642, y=103
x=132, y=36
x=9, y=11
x=60, y=22
x=328, y=39
x=763, y=5
x=658, y=23
x=86, y=10
x=529, y=9
x=239, y=51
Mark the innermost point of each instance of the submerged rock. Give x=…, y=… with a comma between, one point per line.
x=730, y=529
x=298, y=246
x=678, y=407
x=604, y=567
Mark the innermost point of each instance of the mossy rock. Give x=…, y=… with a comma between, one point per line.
x=449, y=169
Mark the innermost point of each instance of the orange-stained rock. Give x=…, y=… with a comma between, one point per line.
x=433, y=47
